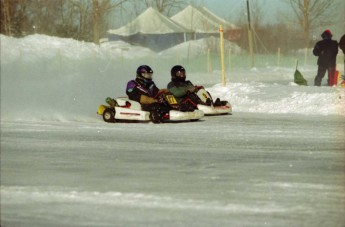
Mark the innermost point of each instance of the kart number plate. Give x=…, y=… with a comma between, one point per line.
x=171, y=99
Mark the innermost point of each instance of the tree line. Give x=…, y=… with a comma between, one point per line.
x=89, y=20
x=81, y=20
x=86, y=20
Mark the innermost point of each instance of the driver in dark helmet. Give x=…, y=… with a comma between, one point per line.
x=184, y=90
x=145, y=91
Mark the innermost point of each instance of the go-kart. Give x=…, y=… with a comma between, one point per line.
x=124, y=109
x=208, y=106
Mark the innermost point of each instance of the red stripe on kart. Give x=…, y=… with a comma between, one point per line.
x=135, y=114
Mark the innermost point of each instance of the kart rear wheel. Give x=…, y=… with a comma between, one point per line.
x=155, y=117
x=109, y=115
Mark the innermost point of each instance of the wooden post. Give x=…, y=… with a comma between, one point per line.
x=209, y=66
x=221, y=31
x=250, y=38
x=278, y=57
x=230, y=59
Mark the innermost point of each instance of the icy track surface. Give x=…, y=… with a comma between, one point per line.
x=240, y=170
x=277, y=161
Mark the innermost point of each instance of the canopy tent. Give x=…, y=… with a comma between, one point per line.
x=151, y=29
x=202, y=22
x=232, y=32
x=215, y=18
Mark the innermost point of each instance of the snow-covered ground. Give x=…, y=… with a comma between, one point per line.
x=277, y=161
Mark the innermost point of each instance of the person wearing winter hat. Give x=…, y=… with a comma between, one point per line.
x=326, y=50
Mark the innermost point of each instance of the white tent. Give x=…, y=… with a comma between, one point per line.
x=151, y=29
x=227, y=25
x=149, y=22
x=201, y=21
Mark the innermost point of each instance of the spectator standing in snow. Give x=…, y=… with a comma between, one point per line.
x=342, y=44
x=145, y=91
x=326, y=50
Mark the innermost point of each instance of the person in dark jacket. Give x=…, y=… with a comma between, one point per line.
x=144, y=90
x=326, y=50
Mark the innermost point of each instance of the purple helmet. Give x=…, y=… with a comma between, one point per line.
x=144, y=72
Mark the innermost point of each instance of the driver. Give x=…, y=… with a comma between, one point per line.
x=185, y=91
x=145, y=91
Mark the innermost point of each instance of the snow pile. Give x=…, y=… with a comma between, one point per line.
x=49, y=78
x=35, y=47
x=281, y=99
x=126, y=50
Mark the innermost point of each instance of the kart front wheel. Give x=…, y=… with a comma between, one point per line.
x=109, y=115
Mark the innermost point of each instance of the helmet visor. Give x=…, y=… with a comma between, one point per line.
x=181, y=74
x=147, y=75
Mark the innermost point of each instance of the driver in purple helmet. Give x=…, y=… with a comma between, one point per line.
x=143, y=90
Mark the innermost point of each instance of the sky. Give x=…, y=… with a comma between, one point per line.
x=229, y=9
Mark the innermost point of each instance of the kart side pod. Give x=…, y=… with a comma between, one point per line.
x=129, y=110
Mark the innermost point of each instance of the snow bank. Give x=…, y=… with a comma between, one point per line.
x=49, y=78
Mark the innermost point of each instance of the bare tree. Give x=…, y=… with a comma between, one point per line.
x=5, y=17
x=77, y=19
x=63, y=18
x=311, y=14
x=166, y=7
x=256, y=11
x=13, y=17
x=101, y=9
x=256, y=20
x=96, y=21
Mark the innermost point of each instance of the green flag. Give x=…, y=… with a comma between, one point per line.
x=298, y=77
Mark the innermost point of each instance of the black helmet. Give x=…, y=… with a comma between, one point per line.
x=178, y=73
x=144, y=72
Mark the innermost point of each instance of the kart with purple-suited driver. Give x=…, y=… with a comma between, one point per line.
x=125, y=109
